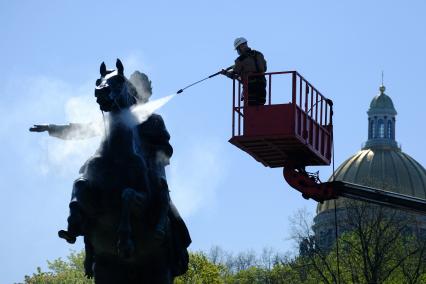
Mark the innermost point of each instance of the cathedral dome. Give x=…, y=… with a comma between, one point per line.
x=381, y=163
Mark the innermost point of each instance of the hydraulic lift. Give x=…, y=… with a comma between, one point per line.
x=297, y=134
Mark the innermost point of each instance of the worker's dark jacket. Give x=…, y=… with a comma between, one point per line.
x=252, y=62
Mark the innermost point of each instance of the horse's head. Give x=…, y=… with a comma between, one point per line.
x=113, y=91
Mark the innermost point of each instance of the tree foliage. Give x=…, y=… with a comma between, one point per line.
x=376, y=245
x=70, y=271
x=201, y=271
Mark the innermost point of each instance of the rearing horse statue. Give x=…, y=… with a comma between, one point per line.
x=117, y=205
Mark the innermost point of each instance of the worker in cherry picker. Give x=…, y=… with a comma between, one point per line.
x=249, y=62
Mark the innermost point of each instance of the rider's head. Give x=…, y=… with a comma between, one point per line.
x=142, y=85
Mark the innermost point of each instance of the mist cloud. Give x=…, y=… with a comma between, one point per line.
x=195, y=172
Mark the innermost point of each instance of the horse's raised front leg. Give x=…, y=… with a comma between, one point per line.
x=131, y=200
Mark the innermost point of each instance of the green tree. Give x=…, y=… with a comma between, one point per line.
x=255, y=275
x=70, y=271
x=202, y=271
x=376, y=245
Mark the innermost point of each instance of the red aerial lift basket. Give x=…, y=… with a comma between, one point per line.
x=296, y=134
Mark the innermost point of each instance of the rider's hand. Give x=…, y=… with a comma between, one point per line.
x=39, y=128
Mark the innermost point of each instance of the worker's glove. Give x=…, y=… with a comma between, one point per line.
x=228, y=74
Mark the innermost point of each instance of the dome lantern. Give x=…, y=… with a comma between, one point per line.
x=381, y=122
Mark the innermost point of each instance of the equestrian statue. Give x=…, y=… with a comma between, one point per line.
x=120, y=203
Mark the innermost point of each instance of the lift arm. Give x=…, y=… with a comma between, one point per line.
x=312, y=188
x=379, y=196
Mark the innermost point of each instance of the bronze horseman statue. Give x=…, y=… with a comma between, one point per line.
x=120, y=203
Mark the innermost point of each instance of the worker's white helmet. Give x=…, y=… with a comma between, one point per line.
x=238, y=41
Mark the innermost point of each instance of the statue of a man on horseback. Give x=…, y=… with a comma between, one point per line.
x=120, y=203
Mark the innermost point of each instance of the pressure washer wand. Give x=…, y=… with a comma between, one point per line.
x=211, y=76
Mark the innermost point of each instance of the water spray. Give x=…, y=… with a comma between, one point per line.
x=211, y=76
x=143, y=111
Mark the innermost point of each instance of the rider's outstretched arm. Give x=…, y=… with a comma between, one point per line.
x=72, y=131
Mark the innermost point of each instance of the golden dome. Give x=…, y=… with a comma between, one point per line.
x=385, y=168
x=381, y=163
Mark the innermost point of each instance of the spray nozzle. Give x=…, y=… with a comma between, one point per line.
x=180, y=91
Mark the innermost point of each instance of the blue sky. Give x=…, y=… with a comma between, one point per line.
x=51, y=51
